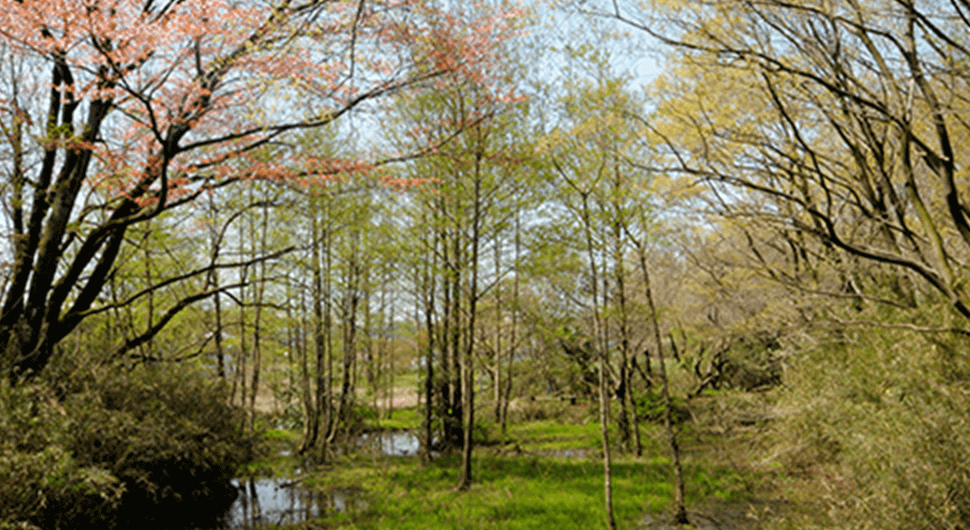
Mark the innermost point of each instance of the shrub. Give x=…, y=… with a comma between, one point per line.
x=887, y=409
x=752, y=362
x=40, y=474
x=116, y=447
x=650, y=407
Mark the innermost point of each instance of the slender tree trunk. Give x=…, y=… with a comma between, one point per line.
x=429, y=375
x=469, y=442
x=243, y=354
x=349, y=389
x=220, y=353
x=329, y=411
x=349, y=326
x=450, y=343
x=149, y=348
x=444, y=379
x=428, y=275
x=456, y=415
x=446, y=386
x=600, y=344
x=514, y=339
x=388, y=337
x=680, y=510
x=316, y=409
x=627, y=401
x=497, y=371
x=607, y=462
x=257, y=318
x=372, y=358
x=310, y=420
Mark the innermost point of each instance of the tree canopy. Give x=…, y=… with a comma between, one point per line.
x=152, y=105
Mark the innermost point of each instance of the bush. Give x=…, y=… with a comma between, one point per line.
x=117, y=447
x=40, y=474
x=550, y=408
x=357, y=416
x=650, y=407
x=888, y=410
x=752, y=362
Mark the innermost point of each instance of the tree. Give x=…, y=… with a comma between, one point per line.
x=851, y=143
x=607, y=195
x=835, y=126
x=583, y=155
x=467, y=182
x=152, y=105
x=472, y=182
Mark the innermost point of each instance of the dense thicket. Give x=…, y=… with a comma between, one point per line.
x=153, y=447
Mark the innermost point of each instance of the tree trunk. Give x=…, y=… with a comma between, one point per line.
x=513, y=344
x=627, y=401
x=601, y=346
x=311, y=412
x=257, y=318
x=680, y=510
x=469, y=369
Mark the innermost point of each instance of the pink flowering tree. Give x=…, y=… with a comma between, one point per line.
x=113, y=112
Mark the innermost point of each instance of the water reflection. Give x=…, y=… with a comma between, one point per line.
x=391, y=443
x=279, y=501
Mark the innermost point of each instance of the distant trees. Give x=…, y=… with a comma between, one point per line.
x=471, y=189
x=606, y=198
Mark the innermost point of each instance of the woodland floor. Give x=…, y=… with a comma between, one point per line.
x=546, y=472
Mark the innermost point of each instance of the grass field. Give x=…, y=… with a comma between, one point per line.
x=543, y=474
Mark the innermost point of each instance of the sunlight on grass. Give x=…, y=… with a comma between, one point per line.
x=517, y=492
x=402, y=419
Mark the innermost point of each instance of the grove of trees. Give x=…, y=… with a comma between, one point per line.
x=306, y=212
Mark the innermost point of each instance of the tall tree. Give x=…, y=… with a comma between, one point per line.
x=466, y=182
x=851, y=144
x=151, y=105
x=607, y=194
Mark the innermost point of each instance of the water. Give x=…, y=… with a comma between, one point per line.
x=394, y=443
x=281, y=501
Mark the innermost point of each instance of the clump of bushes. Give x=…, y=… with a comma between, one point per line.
x=886, y=414
x=108, y=448
x=753, y=362
x=650, y=407
x=40, y=473
x=559, y=409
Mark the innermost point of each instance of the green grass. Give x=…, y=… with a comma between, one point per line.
x=512, y=492
x=281, y=435
x=522, y=480
x=401, y=419
x=515, y=491
x=275, y=450
x=547, y=436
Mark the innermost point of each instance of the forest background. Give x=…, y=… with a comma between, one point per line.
x=222, y=217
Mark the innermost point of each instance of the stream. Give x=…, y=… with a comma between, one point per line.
x=266, y=502
x=394, y=443
x=284, y=500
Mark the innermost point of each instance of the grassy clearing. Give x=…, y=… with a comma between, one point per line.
x=521, y=481
x=548, y=473
x=510, y=492
x=408, y=419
